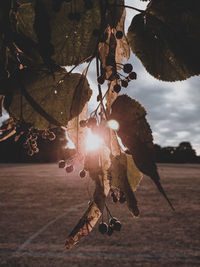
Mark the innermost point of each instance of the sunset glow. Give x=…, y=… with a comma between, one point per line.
x=93, y=141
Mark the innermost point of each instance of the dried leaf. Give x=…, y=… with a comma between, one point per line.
x=122, y=49
x=120, y=180
x=166, y=39
x=55, y=95
x=84, y=226
x=98, y=165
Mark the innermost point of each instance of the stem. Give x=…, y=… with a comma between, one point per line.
x=90, y=57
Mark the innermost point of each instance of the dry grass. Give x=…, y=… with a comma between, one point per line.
x=39, y=206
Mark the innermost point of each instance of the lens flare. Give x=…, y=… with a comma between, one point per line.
x=113, y=124
x=93, y=141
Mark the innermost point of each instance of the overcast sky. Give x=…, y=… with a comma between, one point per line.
x=173, y=108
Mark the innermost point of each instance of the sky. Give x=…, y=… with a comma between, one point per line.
x=172, y=108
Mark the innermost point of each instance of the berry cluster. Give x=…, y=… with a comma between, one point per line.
x=118, y=197
x=124, y=80
x=31, y=143
x=113, y=225
x=70, y=168
x=47, y=134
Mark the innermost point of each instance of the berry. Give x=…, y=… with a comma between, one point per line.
x=117, y=226
x=117, y=88
x=61, y=164
x=114, y=199
x=112, y=221
x=69, y=168
x=132, y=75
x=103, y=228
x=82, y=173
x=51, y=136
x=119, y=34
x=110, y=231
x=127, y=68
x=124, y=83
x=101, y=79
x=83, y=123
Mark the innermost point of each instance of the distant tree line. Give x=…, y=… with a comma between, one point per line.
x=183, y=153
x=52, y=151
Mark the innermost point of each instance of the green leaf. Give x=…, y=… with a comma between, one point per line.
x=67, y=41
x=55, y=95
x=167, y=39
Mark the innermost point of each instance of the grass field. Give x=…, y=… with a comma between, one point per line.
x=40, y=204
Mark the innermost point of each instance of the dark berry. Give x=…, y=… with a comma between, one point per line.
x=71, y=16
x=110, y=231
x=82, y=173
x=117, y=88
x=119, y=34
x=103, y=228
x=112, y=221
x=117, y=226
x=101, y=79
x=95, y=32
x=127, y=68
x=132, y=75
x=91, y=122
x=114, y=199
x=51, y=136
x=69, y=168
x=61, y=164
x=124, y=83
x=83, y=123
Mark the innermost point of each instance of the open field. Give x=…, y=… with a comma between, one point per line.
x=39, y=205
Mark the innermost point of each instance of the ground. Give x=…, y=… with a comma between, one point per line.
x=40, y=204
